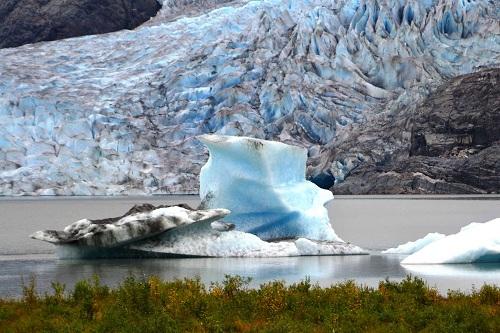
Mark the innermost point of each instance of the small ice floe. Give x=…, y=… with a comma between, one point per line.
x=412, y=247
x=476, y=242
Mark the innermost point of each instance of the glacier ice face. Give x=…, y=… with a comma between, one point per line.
x=263, y=184
x=116, y=113
x=476, y=242
x=412, y=247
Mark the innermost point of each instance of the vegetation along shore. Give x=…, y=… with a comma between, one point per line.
x=152, y=305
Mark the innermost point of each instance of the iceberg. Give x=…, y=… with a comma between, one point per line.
x=263, y=184
x=476, y=242
x=412, y=247
x=147, y=231
x=269, y=210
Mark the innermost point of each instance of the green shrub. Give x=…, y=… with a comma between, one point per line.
x=153, y=305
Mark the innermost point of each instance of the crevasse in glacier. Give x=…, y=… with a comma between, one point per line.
x=116, y=113
x=476, y=242
x=263, y=184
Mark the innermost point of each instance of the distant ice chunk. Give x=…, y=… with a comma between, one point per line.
x=263, y=184
x=476, y=242
x=412, y=247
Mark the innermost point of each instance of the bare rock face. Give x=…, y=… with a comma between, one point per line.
x=117, y=113
x=453, y=143
x=30, y=21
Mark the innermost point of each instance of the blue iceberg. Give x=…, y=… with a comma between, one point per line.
x=263, y=184
x=255, y=203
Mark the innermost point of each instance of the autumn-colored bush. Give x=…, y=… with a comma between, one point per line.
x=152, y=305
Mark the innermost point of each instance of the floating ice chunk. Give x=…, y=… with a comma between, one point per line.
x=476, y=242
x=139, y=223
x=263, y=184
x=412, y=247
x=200, y=240
x=148, y=231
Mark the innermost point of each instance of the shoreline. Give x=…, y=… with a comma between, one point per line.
x=180, y=196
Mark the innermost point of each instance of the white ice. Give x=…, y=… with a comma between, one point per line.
x=476, y=242
x=263, y=184
x=202, y=241
x=412, y=247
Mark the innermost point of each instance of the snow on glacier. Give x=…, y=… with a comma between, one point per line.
x=412, y=247
x=263, y=184
x=117, y=113
x=476, y=242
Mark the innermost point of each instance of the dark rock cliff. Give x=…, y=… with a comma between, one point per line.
x=454, y=143
x=29, y=21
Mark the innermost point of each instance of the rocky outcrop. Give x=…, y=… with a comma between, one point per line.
x=30, y=21
x=118, y=113
x=453, y=143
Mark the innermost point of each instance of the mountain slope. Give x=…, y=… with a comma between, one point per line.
x=450, y=143
x=31, y=21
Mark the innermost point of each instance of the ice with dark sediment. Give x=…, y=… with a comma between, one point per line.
x=176, y=231
x=139, y=223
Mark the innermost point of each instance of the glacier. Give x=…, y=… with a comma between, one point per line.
x=476, y=242
x=412, y=247
x=117, y=113
x=263, y=184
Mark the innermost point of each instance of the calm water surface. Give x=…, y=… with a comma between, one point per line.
x=374, y=223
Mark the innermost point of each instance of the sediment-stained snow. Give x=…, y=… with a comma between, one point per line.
x=476, y=242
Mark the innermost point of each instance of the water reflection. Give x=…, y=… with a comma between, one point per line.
x=463, y=270
x=465, y=277
x=366, y=270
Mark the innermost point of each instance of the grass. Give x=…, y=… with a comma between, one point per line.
x=153, y=305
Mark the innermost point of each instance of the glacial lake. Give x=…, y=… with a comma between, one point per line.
x=372, y=222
